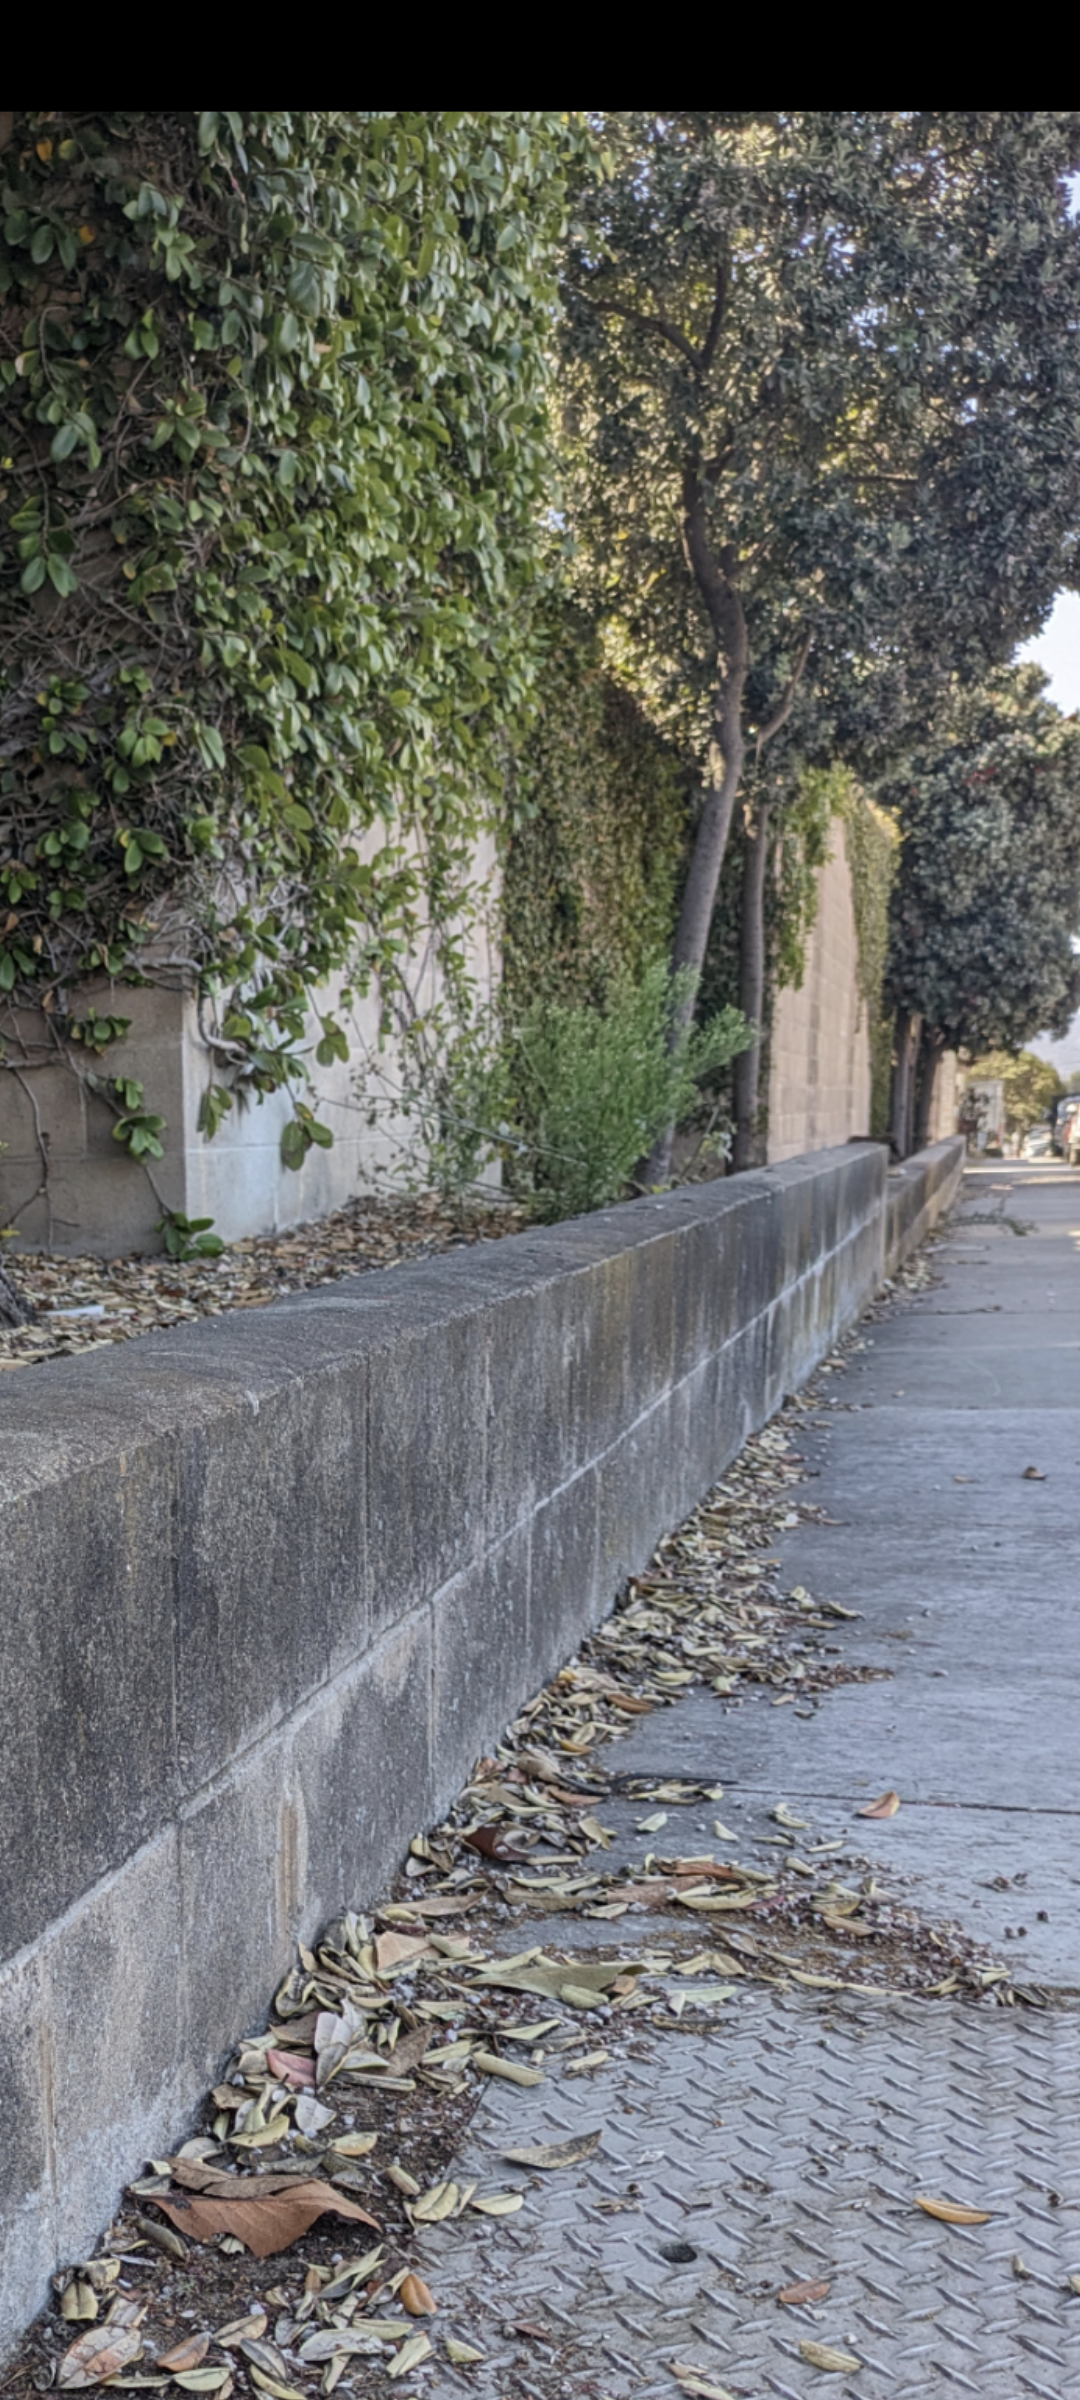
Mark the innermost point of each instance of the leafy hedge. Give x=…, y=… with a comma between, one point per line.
x=274, y=453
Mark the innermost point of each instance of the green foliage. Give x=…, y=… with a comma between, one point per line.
x=1031, y=1085
x=597, y=810
x=820, y=385
x=274, y=442
x=592, y=1088
x=189, y=1237
x=137, y=1129
x=987, y=896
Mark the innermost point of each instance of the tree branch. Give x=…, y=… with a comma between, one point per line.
x=716, y=321
x=782, y=713
x=633, y=316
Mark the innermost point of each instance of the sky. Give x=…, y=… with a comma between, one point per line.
x=1057, y=650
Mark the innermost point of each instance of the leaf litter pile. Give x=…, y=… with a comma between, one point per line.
x=88, y=1303
x=274, y=2253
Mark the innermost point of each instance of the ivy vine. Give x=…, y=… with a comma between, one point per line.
x=273, y=466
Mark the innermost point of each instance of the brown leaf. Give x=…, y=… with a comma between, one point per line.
x=954, y=2212
x=491, y=1842
x=796, y=2294
x=885, y=1807
x=290, y=2066
x=630, y=1705
x=398, y=1950
x=267, y=2224
x=415, y=2296
x=105, y=2351
x=186, y=2354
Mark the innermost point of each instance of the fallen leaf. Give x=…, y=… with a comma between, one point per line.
x=1074, y=2283
x=954, y=2212
x=592, y=2058
x=783, y=1816
x=795, y=2294
x=831, y=2362
x=700, y=2386
x=652, y=1824
x=240, y=2329
x=885, y=1807
x=491, y=1842
x=203, y=2379
x=268, y=2224
x=409, y=2356
x=462, y=2354
x=107, y=2350
x=186, y=2354
x=275, y=2385
x=555, y=2154
x=1019, y=2265
x=401, y=2177
x=499, y=2204
x=414, y=2294
x=1033, y=1475
x=78, y=2303
x=353, y=2145
x=291, y=2066
x=398, y=1950
x=433, y=2205
x=722, y=1833
x=507, y=2069
x=312, y=2116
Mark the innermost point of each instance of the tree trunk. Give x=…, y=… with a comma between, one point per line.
x=699, y=895
x=751, y=993
x=930, y=1053
x=908, y=1028
x=14, y=1310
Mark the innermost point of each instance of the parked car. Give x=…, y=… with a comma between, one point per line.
x=1036, y=1142
x=1065, y=1128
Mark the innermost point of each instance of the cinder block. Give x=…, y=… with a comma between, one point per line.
x=114, y=1972
x=566, y=1595
x=86, y=1671
x=28, y=2239
x=483, y=1658
x=241, y=1868
x=361, y=1773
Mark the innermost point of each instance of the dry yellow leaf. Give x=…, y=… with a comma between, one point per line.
x=954, y=2212
x=885, y=1807
x=409, y=2356
x=831, y=2362
x=462, y=2354
x=500, y=2204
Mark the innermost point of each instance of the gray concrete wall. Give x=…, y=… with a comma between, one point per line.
x=917, y=1194
x=269, y=1583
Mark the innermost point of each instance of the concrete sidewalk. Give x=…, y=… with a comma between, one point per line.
x=790, y=2140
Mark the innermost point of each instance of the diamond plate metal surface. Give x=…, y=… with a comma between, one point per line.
x=785, y=2144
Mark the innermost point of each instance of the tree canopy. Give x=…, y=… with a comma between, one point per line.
x=986, y=903
x=821, y=383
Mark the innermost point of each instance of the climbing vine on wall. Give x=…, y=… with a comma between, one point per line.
x=596, y=829
x=273, y=454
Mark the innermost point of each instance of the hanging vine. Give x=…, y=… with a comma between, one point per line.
x=273, y=453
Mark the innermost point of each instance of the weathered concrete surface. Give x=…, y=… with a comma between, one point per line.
x=965, y=1574
x=269, y=1584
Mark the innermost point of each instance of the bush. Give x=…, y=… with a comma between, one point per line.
x=593, y=1089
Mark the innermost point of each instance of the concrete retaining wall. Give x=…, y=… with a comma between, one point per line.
x=917, y=1194
x=269, y=1584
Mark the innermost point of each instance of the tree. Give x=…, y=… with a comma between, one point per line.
x=987, y=896
x=821, y=386
x=1031, y=1085
x=273, y=412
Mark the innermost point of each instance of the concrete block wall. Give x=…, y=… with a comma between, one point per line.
x=819, y=1052
x=269, y=1583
